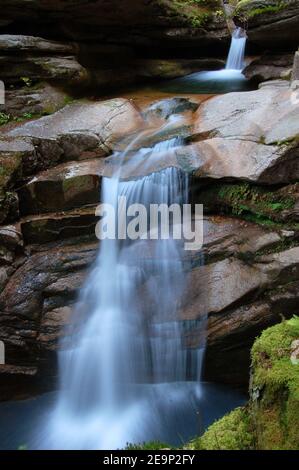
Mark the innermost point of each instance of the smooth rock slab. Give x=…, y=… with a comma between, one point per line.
x=109, y=120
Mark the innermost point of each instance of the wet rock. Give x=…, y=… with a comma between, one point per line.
x=29, y=102
x=173, y=68
x=170, y=106
x=20, y=43
x=252, y=136
x=109, y=121
x=270, y=23
x=65, y=187
x=63, y=70
x=269, y=67
x=51, y=227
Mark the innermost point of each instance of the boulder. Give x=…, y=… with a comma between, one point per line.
x=10, y=43
x=64, y=187
x=28, y=102
x=269, y=67
x=108, y=121
x=64, y=70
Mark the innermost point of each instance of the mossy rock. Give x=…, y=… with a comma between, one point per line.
x=250, y=9
x=270, y=420
x=232, y=432
x=254, y=203
x=275, y=388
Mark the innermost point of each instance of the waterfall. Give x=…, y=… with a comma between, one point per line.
x=235, y=60
x=127, y=355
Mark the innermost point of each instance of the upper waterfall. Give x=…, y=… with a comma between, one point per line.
x=235, y=60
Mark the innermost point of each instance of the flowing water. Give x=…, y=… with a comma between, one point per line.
x=219, y=81
x=128, y=352
x=235, y=60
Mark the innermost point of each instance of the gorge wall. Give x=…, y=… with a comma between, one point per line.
x=242, y=155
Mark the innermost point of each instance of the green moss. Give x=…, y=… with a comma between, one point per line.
x=247, y=9
x=232, y=432
x=270, y=420
x=196, y=13
x=253, y=203
x=275, y=385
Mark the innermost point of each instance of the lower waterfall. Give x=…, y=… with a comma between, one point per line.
x=127, y=349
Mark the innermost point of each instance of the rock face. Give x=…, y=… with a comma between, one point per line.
x=269, y=67
x=242, y=152
x=271, y=22
x=126, y=22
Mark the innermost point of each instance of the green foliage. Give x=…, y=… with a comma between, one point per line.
x=4, y=118
x=153, y=445
x=254, y=203
x=26, y=81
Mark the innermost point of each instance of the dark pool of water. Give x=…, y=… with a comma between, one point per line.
x=172, y=413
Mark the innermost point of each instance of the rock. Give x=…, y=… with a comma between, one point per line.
x=173, y=68
x=275, y=84
x=268, y=67
x=11, y=237
x=29, y=102
x=64, y=187
x=250, y=136
x=165, y=108
x=253, y=136
x=56, y=226
x=295, y=75
x=108, y=121
x=270, y=23
x=65, y=71
x=281, y=206
x=10, y=43
x=122, y=23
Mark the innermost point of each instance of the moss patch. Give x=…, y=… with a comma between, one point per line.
x=249, y=9
x=270, y=420
x=232, y=432
x=253, y=203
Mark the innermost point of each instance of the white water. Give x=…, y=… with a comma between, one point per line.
x=228, y=79
x=235, y=60
x=128, y=334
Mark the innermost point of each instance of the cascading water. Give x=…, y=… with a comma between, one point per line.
x=226, y=80
x=127, y=363
x=235, y=60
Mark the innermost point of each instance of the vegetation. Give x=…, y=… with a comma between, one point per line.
x=153, y=445
x=270, y=420
x=248, y=9
x=251, y=202
x=6, y=118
